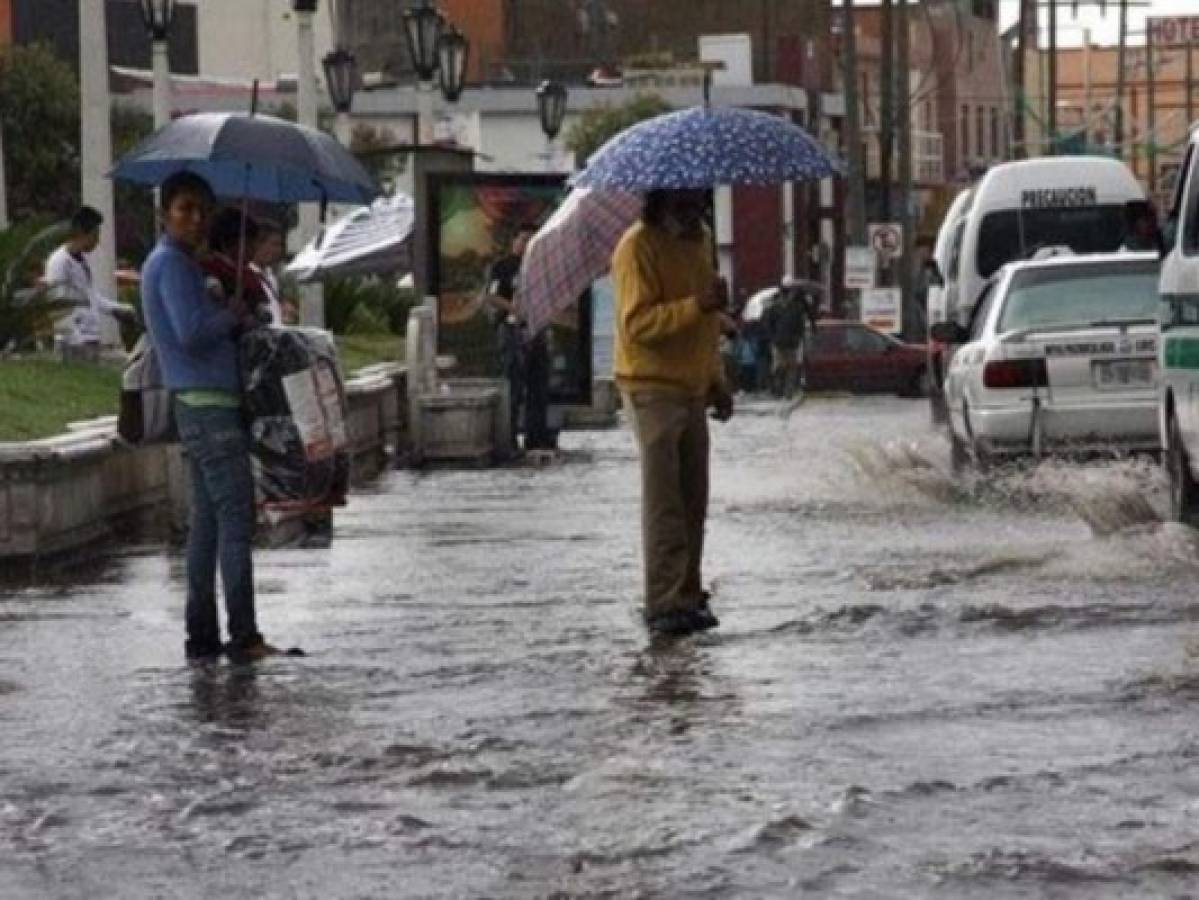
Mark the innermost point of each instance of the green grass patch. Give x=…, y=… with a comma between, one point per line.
x=39, y=396
x=357, y=351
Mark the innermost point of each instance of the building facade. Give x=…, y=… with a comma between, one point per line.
x=1160, y=103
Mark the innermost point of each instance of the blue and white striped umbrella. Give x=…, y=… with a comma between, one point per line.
x=702, y=148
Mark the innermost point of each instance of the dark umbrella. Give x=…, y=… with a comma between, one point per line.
x=246, y=155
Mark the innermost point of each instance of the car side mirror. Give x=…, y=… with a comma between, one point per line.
x=948, y=333
x=933, y=271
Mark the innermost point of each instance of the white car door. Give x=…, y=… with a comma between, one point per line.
x=964, y=381
x=1179, y=354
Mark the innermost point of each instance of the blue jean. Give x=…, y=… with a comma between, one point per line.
x=222, y=526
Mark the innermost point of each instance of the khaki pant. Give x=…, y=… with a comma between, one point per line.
x=672, y=438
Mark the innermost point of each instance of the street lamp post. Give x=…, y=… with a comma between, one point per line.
x=96, y=146
x=312, y=300
x=423, y=27
x=341, y=70
x=157, y=16
x=551, y=110
x=453, y=50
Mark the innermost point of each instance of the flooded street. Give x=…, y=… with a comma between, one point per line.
x=922, y=687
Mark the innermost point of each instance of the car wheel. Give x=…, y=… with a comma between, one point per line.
x=1184, y=495
x=916, y=386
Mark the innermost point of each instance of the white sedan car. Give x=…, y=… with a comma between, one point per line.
x=1060, y=355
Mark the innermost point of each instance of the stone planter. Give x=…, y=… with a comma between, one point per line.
x=67, y=491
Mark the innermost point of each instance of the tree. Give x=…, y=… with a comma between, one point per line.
x=39, y=110
x=27, y=311
x=598, y=125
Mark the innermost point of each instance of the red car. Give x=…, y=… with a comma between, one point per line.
x=850, y=356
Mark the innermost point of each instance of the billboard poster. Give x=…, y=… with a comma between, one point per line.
x=882, y=309
x=475, y=218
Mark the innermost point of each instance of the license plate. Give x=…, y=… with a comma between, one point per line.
x=1112, y=374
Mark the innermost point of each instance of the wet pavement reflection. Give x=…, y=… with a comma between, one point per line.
x=922, y=687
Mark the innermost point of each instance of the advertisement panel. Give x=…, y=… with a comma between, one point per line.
x=859, y=267
x=474, y=220
x=882, y=309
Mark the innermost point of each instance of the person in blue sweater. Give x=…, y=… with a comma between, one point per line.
x=196, y=342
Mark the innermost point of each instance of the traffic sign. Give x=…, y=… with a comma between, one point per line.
x=859, y=267
x=886, y=238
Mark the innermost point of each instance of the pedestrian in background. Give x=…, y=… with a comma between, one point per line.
x=785, y=322
x=524, y=359
x=68, y=276
x=668, y=367
x=268, y=252
x=196, y=342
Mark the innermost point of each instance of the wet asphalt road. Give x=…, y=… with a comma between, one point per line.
x=922, y=688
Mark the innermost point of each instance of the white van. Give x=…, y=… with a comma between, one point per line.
x=1178, y=356
x=936, y=299
x=1018, y=208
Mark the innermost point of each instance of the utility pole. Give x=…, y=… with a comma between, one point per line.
x=886, y=115
x=1120, y=52
x=1086, y=86
x=1018, y=136
x=910, y=320
x=1051, y=118
x=1151, y=120
x=1190, y=83
x=856, y=188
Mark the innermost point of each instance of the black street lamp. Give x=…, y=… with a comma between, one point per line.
x=423, y=26
x=551, y=107
x=452, y=52
x=341, y=69
x=157, y=16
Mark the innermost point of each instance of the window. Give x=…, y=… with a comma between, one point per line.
x=995, y=154
x=955, y=250
x=1081, y=295
x=982, y=311
x=1190, y=218
x=829, y=340
x=1170, y=232
x=964, y=150
x=980, y=115
x=1010, y=234
x=862, y=340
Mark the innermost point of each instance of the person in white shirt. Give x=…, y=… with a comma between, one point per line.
x=268, y=250
x=68, y=277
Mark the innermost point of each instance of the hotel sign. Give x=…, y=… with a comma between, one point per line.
x=1173, y=31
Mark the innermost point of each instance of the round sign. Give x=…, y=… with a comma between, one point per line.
x=886, y=240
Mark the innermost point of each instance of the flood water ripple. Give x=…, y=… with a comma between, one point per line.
x=923, y=686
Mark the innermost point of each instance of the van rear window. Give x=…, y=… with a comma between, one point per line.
x=1010, y=234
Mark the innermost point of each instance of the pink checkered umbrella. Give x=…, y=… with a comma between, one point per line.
x=571, y=250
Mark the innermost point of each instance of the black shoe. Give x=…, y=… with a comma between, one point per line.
x=704, y=618
x=199, y=653
x=676, y=623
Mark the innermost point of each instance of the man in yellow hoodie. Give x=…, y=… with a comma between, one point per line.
x=667, y=364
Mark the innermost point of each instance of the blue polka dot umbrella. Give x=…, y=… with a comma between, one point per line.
x=703, y=148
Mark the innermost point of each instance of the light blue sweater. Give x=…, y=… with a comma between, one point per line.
x=192, y=334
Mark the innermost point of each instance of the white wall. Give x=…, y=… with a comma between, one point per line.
x=254, y=38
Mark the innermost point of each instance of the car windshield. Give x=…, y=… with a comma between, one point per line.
x=1013, y=234
x=1081, y=295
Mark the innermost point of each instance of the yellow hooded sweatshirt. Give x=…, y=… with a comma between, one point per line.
x=663, y=339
